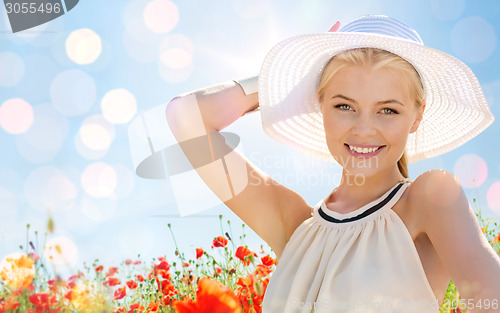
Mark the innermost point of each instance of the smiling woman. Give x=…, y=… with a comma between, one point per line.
x=379, y=242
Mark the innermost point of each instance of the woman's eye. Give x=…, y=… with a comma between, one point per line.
x=389, y=111
x=344, y=107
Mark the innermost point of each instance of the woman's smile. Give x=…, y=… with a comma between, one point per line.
x=364, y=151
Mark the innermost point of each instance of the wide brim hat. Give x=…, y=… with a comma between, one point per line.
x=456, y=108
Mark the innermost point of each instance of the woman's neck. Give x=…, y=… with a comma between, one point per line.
x=356, y=191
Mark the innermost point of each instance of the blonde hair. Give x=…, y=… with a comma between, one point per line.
x=376, y=58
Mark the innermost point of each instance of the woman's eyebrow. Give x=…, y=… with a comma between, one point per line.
x=378, y=103
x=391, y=101
x=344, y=97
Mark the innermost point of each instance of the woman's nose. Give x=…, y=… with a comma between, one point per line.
x=364, y=126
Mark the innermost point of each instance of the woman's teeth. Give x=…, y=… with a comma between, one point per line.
x=363, y=150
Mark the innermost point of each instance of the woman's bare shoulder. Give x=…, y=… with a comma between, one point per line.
x=433, y=189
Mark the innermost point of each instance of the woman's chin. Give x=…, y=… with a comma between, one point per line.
x=361, y=172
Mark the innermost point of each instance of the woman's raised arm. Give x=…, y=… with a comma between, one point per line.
x=270, y=209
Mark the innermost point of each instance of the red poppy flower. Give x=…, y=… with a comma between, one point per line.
x=219, y=241
x=43, y=301
x=496, y=239
x=112, y=281
x=112, y=271
x=120, y=293
x=199, y=253
x=268, y=261
x=153, y=307
x=77, y=276
x=69, y=295
x=128, y=261
x=211, y=296
x=53, y=285
x=166, y=287
x=262, y=270
x=8, y=304
x=99, y=268
x=245, y=255
x=140, y=278
x=71, y=283
x=120, y=309
x=131, y=284
x=135, y=308
x=251, y=292
x=162, y=268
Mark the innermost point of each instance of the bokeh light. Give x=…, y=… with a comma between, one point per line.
x=139, y=41
x=473, y=39
x=99, y=180
x=493, y=197
x=16, y=116
x=12, y=69
x=96, y=133
x=176, y=51
x=161, y=16
x=83, y=46
x=61, y=251
x=43, y=140
x=95, y=136
x=471, y=170
x=49, y=189
x=175, y=58
x=86, y=152
x=118, y=106
x=448, y=9
x=73, y=92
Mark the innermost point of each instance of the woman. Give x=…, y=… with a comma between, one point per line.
x=369, y=97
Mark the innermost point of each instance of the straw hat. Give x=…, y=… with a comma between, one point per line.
x=456, y=109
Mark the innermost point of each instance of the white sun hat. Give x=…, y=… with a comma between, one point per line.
x=456, y=109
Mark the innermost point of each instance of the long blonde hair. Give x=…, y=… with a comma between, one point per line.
x=376, y=58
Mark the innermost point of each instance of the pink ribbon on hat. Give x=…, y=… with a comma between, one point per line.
x=335, y=27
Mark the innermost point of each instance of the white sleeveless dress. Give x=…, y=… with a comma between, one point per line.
x=361, y=261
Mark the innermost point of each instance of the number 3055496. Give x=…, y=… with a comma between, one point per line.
x=32, y=8
x=471, y=304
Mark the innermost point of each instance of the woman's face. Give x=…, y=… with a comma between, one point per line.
x=367, y=116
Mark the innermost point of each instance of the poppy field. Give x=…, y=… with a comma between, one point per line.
x=230, y=278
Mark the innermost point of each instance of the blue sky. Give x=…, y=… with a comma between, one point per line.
x=69, y=152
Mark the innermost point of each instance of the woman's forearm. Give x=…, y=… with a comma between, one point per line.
x=213, y=108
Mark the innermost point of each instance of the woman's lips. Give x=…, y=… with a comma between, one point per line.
x=363, y=155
